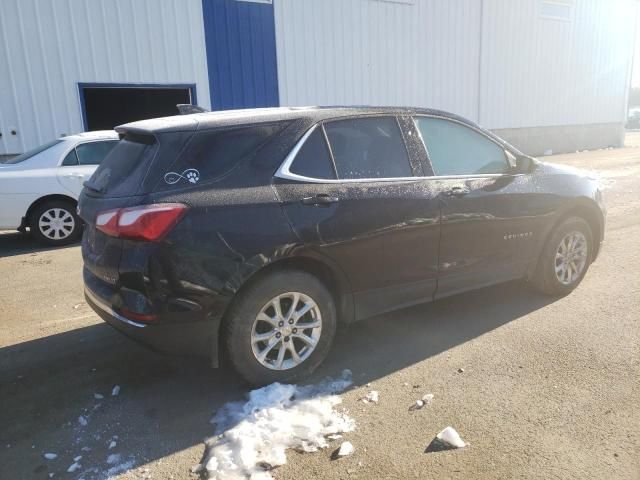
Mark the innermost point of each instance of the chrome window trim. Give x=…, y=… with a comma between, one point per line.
x=285, y=173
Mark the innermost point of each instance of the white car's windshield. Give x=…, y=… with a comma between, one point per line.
x=32, y=153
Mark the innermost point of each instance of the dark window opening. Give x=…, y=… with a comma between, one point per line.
x=108, y=107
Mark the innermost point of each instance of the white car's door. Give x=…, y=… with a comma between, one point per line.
x=80, y=163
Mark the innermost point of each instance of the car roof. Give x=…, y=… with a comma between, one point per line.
x=202, y=121
x=95, y=135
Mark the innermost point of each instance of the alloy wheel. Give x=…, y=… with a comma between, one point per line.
x=571, y=257
x=56, y=223
x=286, y=331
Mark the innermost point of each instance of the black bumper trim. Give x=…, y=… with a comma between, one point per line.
x=98, y=302
x=198, y=338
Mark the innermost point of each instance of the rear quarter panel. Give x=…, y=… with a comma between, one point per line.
x=232, y=229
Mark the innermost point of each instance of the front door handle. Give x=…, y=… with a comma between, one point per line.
x=322, y=199
x=457, y=192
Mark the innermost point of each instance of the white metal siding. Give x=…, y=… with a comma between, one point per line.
x=502, y=63
x=334, y=52
x=48, y=47
x=538, y=71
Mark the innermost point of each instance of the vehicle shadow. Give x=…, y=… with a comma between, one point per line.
x=165, y=403
x=17, y=243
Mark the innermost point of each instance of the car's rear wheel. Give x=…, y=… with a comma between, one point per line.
x=55, y=223
x=280, y=328
x=565, y=258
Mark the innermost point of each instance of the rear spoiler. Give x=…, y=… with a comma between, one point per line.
x=186, y=109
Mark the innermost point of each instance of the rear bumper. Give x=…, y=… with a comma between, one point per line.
x=188, y=338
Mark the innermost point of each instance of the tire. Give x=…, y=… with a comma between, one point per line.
x=545, y=279
x=243, y=323
x=67, y=228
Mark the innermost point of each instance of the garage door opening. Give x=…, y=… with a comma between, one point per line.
x=106, y=106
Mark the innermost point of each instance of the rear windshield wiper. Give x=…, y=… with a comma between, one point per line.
x=92, y=186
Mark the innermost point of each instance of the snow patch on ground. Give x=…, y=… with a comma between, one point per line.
x=451, y=438
x=345, y=449
x=122, y=467
x=251, y=437
x=372, y=397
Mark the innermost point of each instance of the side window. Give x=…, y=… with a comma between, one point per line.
x=313, y=159
x=93, y=153
x=368, y=148
x=70, y=159
x=458, y=150
x=212, y=153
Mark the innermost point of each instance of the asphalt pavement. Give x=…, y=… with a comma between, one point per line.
x=539, y=387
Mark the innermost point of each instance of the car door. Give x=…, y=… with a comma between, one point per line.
x=353, y=194
x=488, y=219
x=80, y=162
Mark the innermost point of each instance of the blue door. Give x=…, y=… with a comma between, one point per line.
x=241, y=53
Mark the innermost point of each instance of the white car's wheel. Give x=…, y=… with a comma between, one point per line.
x=55, y=223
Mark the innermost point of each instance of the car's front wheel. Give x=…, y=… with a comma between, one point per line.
x=280, y=328
x=55, y=223
x=565, y=258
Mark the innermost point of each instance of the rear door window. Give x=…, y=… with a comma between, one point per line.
x=31, y=153
x=94, y=152
x=455, y=149
x=313, y=159
x=368, y=148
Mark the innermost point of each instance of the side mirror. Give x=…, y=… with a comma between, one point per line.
x=519, y=164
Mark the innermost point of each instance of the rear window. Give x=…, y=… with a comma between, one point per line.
x=211, y=154
x=122, y=170
x=31, y=153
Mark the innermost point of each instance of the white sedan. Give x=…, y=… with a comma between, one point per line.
x=39, y=189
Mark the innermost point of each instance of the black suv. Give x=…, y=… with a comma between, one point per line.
x=254, y=233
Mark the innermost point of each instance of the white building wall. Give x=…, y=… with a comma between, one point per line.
x=498, y=62
x=539, y=71
x=47, y=48
x=377, y=52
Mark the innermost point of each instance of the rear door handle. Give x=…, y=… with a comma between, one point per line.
x=74, y=175
x=457, y=192
x=321, y=199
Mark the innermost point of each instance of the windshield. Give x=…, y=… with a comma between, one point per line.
x=32, y=153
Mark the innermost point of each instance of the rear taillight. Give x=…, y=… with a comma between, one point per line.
x=146, y=222
x=139, y=317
